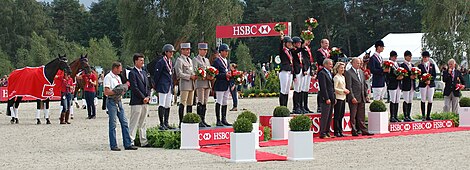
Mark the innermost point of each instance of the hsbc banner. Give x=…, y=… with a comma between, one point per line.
x=249, y=30
x=4, y=96
x=220, y=136
x=409, y=126
x=314, y=86
x=266, y=121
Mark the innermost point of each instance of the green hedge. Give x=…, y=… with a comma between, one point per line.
x=163, y=139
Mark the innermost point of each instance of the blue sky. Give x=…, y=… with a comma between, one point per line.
x=87, y=3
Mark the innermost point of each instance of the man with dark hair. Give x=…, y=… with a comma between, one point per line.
x=115, y=109
x=140, y=96
x=378, y=73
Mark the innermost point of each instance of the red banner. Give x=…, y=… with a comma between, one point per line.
x=409, y=126
x=266, y=121
x=220, y=136
x=248, y=30
x=314, y=86
x=4, y=96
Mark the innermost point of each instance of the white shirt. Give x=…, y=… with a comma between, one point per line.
x=111, y=80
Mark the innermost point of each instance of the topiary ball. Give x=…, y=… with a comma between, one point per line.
x=464, y=102
x=249, y=115
x=377, y=106
x=281, y=111
x=242, y=125
x=300, y=123
x=191, y=118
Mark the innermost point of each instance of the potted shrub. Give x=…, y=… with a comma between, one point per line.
x=464, y=112
x=280, y=123
x=242, y=144
x=378, y=117
x=190, y=131
x=300, y=143
x=253, y=118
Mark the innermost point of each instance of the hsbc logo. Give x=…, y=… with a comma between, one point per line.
x=205, y=136
x=264, y=29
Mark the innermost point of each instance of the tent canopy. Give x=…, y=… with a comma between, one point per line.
x=400, y=42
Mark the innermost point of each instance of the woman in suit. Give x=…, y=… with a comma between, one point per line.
x=393, y=87
x=341, y=92
x=426, y=88
x=408, y=87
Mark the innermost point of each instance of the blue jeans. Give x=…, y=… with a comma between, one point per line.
x=90, y=103
x=115, y=110
x=234, y=93
x=67, y=102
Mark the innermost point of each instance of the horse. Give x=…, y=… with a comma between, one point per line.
x=78, y=66
x=34, y=76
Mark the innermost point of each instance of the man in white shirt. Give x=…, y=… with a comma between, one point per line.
x=114, y=106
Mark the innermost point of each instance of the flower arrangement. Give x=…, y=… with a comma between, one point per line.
x=212, y=71
x=335, y=51
x=415, y=71
x=307, y=35
x=426, y=77
x=459, y=86
x=238, y=77
x=201, y=73
x=311, y=23
x=388, y=64
x=401, y=71
x=279, y=27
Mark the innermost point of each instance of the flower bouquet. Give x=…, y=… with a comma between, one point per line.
x=426, y=77
x=201, y=73
x=415, y=71
x=388, y=64
x=279, y=27
x=307, y=35
x=401, y=72
x=335, y=51
x=211, y=72
x=238, y=77
x=311, y=23
x=459, y=86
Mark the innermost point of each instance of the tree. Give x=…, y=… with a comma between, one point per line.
x=70, y=20
x=104, y=21
x=5, y=64
x=446, y=27
x=39, y=53
x=101, y=53
x=244, y=59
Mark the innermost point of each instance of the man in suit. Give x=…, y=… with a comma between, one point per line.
x=327, y=97
x=221, y=85
x=357, y=98
x=375, y=66
x=321, y=54
x=164, y=85
x=408, y=86
x=451, y=78
x=186, y=76
x=140, y=96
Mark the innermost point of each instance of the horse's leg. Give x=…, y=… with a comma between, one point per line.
x=75, y=96
x=84, y=104
x=38, y=111
x=10, y=110
x=17, y=104
x=46, y=111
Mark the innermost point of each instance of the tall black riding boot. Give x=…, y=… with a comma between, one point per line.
x=423, y=111
x=204, y=111
x=305, y=96
x=405, y=112
x=161, y=113
x=166, y=118
x=199, y=112
x=181, y=113
x=409, y=112
x=295, y=106
x=224, y=116
x=428, y=114
x=217, y=114
x=286, y=99
x=189, y=109
x=396, y=112
x=318, y=103
x=392, y=112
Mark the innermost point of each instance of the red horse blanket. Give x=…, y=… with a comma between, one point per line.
x=32, y=82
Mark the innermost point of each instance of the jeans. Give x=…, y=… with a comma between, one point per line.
x=66, y=101
x=90, y=103
x=115, y=109
x=234, y=93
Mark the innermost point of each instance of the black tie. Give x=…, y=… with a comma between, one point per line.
x=187, y=58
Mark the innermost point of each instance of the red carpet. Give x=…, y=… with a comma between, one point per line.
x=417, y=132
x=224, y=151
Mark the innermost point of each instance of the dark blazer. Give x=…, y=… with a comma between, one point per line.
x=327, y=89
x=140, y=86
x=221, y=82
x=307, y=64
x=378, y=75
x=432, y=71
x=450, y=82
x=162, y=77
x=357, y=87
x=407, y=82
x=286, y=64
x=392, y=82
x=296, y=60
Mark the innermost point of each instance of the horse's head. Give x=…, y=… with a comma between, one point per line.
x=84, y=62
x=62, y=59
